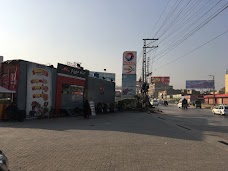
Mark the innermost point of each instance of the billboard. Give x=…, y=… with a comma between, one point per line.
x=129, y=58
x=129, y=69
x=128, y=86
x=39, y=85
x=108, y=76
x=160, y=80
x=200, y=84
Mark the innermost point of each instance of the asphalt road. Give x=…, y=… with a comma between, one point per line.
x=203, y=122
x=133, y=141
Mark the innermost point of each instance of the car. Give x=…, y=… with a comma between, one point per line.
x=154, y=102
x=179, y=105
x=221, y=109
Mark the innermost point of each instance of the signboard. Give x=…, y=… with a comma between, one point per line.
x=39, y=84
x=129, y=69
x=129, y=58
x=129, y=75
x=128, y=86
x=9, y=75
x=64, y=69
x=108, y=76
x=200, y=84
x=165, y=80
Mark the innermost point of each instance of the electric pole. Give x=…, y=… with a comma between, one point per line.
x=145, y=66
x=213, y=78
x=145, y=70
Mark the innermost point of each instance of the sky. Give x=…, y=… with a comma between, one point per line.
x=95, y=33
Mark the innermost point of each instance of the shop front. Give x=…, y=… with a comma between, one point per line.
x=6, y=98
x=218, y=98
x=70, y=87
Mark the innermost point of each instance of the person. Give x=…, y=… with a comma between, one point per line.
x=86, y=109
x=11, y=111
x=184, y=103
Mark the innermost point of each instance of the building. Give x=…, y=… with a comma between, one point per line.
x=42, y=91
x=169, y=92
x=219, y=99
x=138, y=87
x=226, y=82
x=155, y=88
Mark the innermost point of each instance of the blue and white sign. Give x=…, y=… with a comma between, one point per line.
x=200, y=84
x=106, y=75
x=128, y=86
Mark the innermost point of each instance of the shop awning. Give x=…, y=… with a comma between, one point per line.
x=4, y=90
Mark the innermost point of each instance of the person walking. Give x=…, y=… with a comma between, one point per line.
x=86, y=109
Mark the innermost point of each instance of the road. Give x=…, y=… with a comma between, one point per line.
x=211, y=127
x=133, y=141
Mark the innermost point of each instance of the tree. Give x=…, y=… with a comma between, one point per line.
x=222, y=90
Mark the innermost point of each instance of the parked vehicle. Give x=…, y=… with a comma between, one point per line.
x=154, y=102
x=179, y=104
x=4, y=164
x=221, y=110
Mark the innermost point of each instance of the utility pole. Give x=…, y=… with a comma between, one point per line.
x=213, y=78
x=144, y=66
x=147, y=67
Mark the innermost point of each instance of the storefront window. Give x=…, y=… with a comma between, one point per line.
x=72, y=89
x=5, y=97
x=77, y=90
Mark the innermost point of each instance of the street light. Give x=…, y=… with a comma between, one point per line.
x=213, y=78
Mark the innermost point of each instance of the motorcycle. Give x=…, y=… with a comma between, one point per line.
x=184, y=105
x=4, y=163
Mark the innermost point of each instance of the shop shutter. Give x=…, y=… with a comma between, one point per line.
x=225, y=100
x=211, y=101
x=219, y=100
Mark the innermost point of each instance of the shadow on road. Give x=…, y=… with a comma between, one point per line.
x=129, y=122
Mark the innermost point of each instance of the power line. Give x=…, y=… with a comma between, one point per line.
x=159, y=18
x=183, y=19
x=193, y=50
x=179, y=36
x=177, y=43
x=167, y=18
x=172, y=22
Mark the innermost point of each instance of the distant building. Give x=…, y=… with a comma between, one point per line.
x=155, y=88
x=138, y=87
x=168, y=93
